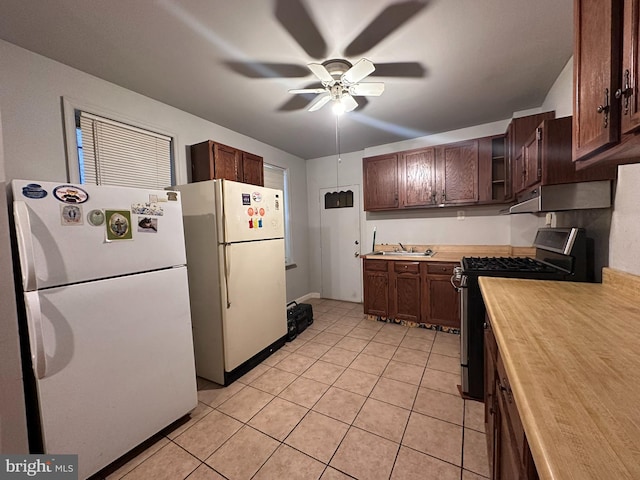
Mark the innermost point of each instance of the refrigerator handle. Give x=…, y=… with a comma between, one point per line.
x=36, y=341
x=225, y=259
x=25, y=245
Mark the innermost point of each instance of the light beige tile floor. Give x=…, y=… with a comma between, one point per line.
x=348, y=398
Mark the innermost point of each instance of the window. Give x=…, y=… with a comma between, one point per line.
x=115, y=153
x=277, y=177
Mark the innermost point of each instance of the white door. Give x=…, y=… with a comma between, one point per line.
x=340, y=249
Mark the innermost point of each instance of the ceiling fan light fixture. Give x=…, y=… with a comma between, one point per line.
x=337, y=67
x=338, y=107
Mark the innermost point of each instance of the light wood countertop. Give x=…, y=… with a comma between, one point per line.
x=572, y=355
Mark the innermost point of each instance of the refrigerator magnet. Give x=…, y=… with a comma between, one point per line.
x=33, y=190
x=70, y=194
x=148, y=225
x=71, y=215
x=147, y=209
x=95, y=217
x=246, y=199
x=118, y=225
x=257, y=197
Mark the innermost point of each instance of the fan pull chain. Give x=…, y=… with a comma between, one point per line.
x=338, y=159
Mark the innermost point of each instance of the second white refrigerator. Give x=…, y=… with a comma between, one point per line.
x=234, y=235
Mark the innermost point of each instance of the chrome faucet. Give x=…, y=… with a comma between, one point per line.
x=404, y=249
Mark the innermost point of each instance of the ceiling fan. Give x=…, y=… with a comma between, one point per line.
x=340, y=83
x=296, y=19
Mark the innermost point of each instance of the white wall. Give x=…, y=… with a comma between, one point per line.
x=624, y=239
x=13, y=427
x=30, y=98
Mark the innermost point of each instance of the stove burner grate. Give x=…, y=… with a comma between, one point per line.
x=505, y=264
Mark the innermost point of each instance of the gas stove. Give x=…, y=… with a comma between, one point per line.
x=561, y=254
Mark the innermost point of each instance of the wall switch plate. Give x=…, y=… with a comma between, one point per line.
x=460, y=214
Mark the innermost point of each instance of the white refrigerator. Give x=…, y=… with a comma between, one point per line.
x=234, y=234
x=106, y=307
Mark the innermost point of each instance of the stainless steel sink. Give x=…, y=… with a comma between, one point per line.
x=428, y=254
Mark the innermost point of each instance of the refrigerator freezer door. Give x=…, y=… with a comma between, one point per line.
x=118, y=366
x=64, y=242
x=255, y=288
x=250, y=212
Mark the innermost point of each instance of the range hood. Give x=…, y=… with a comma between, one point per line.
x=569, y=196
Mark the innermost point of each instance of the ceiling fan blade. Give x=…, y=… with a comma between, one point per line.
x=360, y=70
x=295, y=19
x=400, y=69
x=299, y=91
x=349, y=102
x=267, y=69
x=320, y=101
x=386, y=22
x=321, y=72
x=367, y=89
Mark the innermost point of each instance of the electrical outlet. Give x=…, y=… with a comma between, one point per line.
x=460, y=214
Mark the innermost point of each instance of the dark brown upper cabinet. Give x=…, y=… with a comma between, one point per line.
x=457, y=173
x=418, y=172
x=545, y=159
x=435, y=176
x=606, y=110
x=518, y=132
x=381, y=182
x=211, y=160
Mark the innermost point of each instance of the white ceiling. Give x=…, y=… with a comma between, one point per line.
x=470, y=61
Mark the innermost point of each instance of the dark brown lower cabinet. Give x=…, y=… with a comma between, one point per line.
x=376, y=287
x=419, y=292
x=442, y=301
x=405, y=288
x=507, y=448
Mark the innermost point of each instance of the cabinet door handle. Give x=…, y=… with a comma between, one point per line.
x=626, y=91
x=605, y=109
x=444, y=196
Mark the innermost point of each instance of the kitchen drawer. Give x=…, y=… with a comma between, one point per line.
x=406, y=267
x=375, y=265
x=436, y=268
x=504, y=391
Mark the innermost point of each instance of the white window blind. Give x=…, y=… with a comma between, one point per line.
x=276, y=177
x=114, y=153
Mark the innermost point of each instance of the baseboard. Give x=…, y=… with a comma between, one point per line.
x=308, y=296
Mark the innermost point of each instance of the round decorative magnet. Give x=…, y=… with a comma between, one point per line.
x=96, y=217
x=70, y=194
x=33, y=190
x=256, y=196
